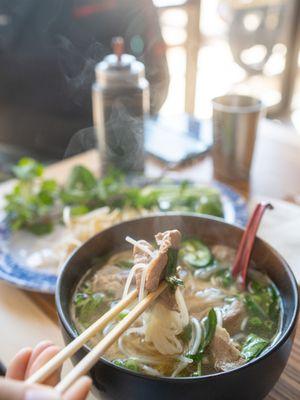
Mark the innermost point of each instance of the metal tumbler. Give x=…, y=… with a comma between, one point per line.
x=235, y=122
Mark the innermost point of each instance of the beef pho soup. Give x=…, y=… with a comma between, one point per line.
x=205, y=322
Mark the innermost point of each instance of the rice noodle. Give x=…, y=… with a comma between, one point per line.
x=130, y=277
x=140, y=246
x=143, y=281
x=136, y=354
x=162, y=329
x=197, y=334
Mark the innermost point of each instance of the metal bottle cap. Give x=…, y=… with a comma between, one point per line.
x=119, y=69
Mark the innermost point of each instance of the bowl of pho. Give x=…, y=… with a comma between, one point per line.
x=207, y=335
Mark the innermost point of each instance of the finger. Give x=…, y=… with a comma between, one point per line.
x=42, y=359
x=16, y=390
x=39, y=348
x=41, y=393
x=18, y=365
x=79, y=390
x=10, y=389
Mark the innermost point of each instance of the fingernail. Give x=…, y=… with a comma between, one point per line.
x=38, y=394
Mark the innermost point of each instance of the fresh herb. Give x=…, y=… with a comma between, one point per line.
x=253, y=346
x=224, y=277
x=129, y=363
x=27, y=169
x=263, y=306
x=194, y=253
x=79, y=210
x=171, y=267
x=210, y=203
x=254, y=307
x=174, y=281
x=89, y=306
x=255, y=322
x=31, y=204
x=210, y=324
x=81, y=189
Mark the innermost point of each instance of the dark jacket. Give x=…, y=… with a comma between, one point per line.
x=48, y=50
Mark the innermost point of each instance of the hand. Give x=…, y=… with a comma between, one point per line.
x=24, y=364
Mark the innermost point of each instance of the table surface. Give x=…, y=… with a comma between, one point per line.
x=275, y=173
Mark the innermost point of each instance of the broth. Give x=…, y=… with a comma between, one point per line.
x=227, y=326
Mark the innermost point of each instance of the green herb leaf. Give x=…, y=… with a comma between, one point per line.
x=171, y=267
x=225, y=277
x=253, y=346
x=81, y=179
x=129, y=363
x=27, y=169
x=252, y=303
x=174, y=281
x=210, y=324
x=89, y=306
x=79, y=210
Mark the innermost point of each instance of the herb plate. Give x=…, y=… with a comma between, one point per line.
x=14, y=267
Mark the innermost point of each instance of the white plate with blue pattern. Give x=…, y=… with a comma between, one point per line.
x=15, y=268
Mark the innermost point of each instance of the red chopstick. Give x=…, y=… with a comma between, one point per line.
x=241, y=262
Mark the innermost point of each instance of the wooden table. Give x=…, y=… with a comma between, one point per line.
x=29, y=317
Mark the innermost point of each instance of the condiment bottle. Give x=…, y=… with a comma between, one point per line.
x=120, y=103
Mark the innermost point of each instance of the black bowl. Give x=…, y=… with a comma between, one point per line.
x=251, y=381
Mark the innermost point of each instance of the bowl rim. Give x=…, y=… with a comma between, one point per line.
x=278, y=343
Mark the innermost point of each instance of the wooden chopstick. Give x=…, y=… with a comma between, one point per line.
x=46, y=370
x=93, y=356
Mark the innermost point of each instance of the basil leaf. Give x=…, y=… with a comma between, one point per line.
x=253, y=346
